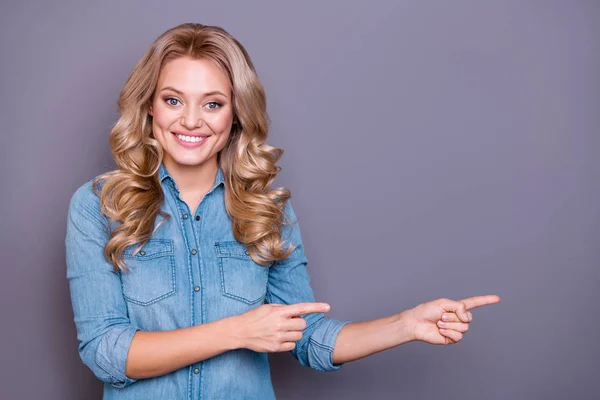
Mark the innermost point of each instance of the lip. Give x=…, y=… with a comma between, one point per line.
x=190, y=144
x=190, y=134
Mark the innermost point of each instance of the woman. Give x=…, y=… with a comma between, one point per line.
x=185, y=267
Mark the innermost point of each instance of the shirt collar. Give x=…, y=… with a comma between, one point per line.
x=163, y=174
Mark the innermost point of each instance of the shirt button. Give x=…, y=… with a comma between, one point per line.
x=194, y=251
x=142, y=253
x=184, y=216
x=196, y=371
x=196, y=288
x=197, y=218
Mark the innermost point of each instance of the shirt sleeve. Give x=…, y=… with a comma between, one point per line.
x=289, y=283
x=100, y=313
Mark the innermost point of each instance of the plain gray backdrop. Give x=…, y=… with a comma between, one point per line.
x=433, y=149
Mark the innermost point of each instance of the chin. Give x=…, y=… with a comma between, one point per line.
x=189, y=159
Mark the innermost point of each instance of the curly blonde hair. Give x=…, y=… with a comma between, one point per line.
x=132, y=194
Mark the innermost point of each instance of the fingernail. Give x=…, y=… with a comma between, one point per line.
x=327, y=308
x=445, y=317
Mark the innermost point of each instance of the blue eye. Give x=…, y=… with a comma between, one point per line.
x=168, y=99
x=212, y=105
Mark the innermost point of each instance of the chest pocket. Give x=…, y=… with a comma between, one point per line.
x=241, y=278
x=151, y=272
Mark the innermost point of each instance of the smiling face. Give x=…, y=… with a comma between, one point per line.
x=192, y=112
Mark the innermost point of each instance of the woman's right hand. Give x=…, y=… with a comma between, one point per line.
x=274, y=327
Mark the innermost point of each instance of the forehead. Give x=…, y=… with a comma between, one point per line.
x=193, y=77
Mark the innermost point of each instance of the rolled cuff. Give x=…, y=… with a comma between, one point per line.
x=322, y=343
x=112, y=354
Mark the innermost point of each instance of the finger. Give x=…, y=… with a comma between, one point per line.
x=304, y=308
x=458, y=307
x=451, y=334
x=287, y=346
x=451, y=317
x=292, y=336
x=457, y=326
x=295, y=324
x=478, y=301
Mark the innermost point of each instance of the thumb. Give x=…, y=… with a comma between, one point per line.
x=457, y=307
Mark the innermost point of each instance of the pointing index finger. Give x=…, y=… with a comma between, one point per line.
x=298, y=309
x=478, y=301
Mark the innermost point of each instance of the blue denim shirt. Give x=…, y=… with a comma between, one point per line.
x=192, y=271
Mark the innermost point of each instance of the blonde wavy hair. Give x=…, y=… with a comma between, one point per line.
x=132, y=195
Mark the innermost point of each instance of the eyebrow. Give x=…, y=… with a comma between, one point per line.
x=205, y=94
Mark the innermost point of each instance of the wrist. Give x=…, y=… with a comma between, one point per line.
x=405, y=326
x=232, y=333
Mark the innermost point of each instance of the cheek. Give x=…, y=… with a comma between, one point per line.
x=223, y=138
x=163, y=118
x=162, y=122
x=158, y=131
x=220, y=123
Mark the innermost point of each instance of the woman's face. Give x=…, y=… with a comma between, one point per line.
x=192, y=112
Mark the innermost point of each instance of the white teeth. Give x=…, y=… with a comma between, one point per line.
x=191, y=139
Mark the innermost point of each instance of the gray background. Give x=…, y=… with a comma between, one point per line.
x=433, y=149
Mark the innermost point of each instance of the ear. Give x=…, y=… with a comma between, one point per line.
x=150, y=111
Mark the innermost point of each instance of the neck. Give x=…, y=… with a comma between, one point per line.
x=192, y=179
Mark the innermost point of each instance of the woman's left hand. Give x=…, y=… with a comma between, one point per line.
x=444, y=321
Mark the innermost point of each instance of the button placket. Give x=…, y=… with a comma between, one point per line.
x=194, y=251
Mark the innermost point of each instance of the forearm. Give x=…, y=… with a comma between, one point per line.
x=361, y=339
x=158, y=353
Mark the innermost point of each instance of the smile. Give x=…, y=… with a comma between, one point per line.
x=190, y=141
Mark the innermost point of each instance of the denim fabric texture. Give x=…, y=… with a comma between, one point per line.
x=192, y=271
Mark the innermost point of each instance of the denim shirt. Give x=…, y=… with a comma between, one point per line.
x=191, y=271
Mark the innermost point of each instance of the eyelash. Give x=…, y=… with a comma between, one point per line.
x=173, y=98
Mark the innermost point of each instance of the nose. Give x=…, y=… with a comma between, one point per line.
x=190, y=120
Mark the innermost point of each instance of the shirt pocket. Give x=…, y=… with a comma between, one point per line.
x=241, y=278
x=151, y=272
